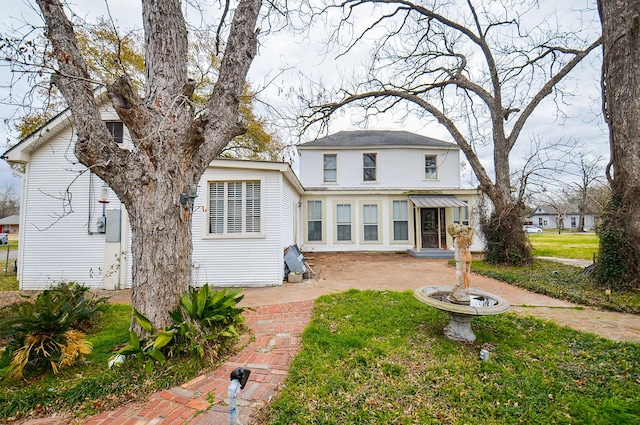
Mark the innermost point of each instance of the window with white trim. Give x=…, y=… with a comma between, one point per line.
x=343, y=222
x=235, y=207
x=430, y=168
x=369, y=167
x=116, y=128
x=401, y=220
x=370, y=222
x=330, y=168
x=314, y=221
x=461, y=215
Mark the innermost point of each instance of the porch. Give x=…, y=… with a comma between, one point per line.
x=431, y=253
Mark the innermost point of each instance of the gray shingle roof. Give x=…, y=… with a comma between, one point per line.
x=376, y=138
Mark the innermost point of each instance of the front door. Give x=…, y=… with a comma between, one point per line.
x=429, y=226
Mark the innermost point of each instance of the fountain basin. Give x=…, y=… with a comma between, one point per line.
x=459, y=327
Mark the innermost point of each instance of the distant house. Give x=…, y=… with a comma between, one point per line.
x=564, y=217
x=10, y=224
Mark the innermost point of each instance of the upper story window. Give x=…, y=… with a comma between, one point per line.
x=430, y=169
x=234, y=207
x=116, y=128
x=330, y=167
x=369, y=167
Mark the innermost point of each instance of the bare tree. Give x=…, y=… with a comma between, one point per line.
x=173, y=143
x=9, y=202
x=620, y=232
x=481, y=69
x=589, y=173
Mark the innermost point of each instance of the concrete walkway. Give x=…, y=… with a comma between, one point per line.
x=281, y=313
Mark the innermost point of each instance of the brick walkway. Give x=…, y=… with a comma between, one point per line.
x=277, y=329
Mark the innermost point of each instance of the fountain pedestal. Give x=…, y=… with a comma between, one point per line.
x=459, y=327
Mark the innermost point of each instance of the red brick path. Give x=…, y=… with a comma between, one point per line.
x=277, y=329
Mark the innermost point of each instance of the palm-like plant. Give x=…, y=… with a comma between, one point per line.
x=44, y=331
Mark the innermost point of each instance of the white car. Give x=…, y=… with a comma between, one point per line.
x=527, y=228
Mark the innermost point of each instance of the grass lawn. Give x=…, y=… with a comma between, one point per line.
x=380, y=358
x=91, y=387
x=563, y=282
x=566, y=245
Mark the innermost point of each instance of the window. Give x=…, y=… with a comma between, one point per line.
x=370, y=222
x=400, y=220
x=369, y=167
x=430, y=169
x=330, y=168
x=461, y=215
x=314, y=221
x=343, y=222
x=574, y=223
x=234, y=207
x=116, y=128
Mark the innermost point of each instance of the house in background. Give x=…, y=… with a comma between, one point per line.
x=383, y=191
x=10, y=224
x=566, y=216
x=358, y=191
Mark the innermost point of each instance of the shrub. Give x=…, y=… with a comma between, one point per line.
x=46, y=331
x=204, y=325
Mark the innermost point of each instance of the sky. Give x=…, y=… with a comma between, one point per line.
x=303, y=59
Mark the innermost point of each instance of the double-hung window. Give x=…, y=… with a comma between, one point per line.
x=430, y=168
x=330, y=171
x=235, y=207
x=461, y=215
x=400, y=220
x=370, y=222
x=314, y=221
x=116, y=128
x=369, y=167
x=343, y=222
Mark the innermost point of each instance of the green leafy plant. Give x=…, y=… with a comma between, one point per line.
x=46, y=331
x=204, y=323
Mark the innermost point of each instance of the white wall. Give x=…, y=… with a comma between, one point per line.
x=58, y=240
x=396, y=168
x=255, y=260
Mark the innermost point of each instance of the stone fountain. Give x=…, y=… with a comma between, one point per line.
x=459, y=301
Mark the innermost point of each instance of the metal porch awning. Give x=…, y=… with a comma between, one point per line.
x=429, y=201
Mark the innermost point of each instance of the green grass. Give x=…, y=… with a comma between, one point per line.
x=563, y=282
x=380, y=358
x=8, y=282
x=91, y=387
x=566, y=245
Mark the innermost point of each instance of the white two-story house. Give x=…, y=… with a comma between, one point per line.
x=356, y=191
x=382, y=191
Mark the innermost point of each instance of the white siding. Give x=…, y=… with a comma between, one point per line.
x=396, y=168
x=58, y=239
x=239, y=261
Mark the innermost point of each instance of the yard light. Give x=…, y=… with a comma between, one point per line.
x=239, y=378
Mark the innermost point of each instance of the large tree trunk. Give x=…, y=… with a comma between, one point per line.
x=172, y=147
x=620, y=231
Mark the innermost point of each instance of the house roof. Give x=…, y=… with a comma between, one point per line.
x=569, y=209
x=370, y=138
x=11, y=219
x=427, y=201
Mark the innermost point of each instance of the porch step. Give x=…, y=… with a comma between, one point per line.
x=431, y=253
